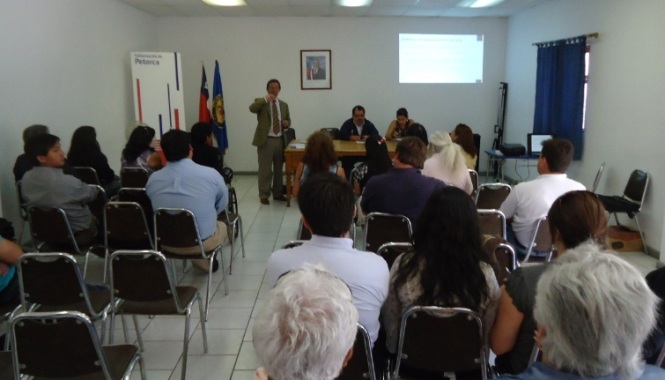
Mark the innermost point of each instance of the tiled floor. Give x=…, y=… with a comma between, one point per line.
x=231, y=354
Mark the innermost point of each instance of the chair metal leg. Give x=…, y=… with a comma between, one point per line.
x=185, y=344
x=233, y=246
x=124, y=329
x=138, y=332
x=212, y=258
x=142, y=367
x=639, y=228
x=106, y=265
x=226, y=284
x=204, y=334
x=111, y=326
x=242, y=236
x=85, y=263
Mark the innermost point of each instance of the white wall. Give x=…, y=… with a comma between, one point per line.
x=364, y=71
x=66, y=64
x=625, y=116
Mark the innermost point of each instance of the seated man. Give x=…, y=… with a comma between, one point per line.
x=306, y=327
x=403, y=189
x=46, y=185
x=185, y=184
x=530, y=201
x=23, y=163
x=327, y=206
x=204, y=153
x=593, y=311
x=355, y=129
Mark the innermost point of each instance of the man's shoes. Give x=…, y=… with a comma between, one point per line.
x=280, y=198
x=265, y=201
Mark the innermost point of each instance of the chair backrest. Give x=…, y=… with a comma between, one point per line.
x=293, y=244
x=492, y=222
x=176, y=227
x=390, y=251
x=86, y=174
x=333, y=132
x=133, y=177
x=381, y=228
x=303, y=232
x=21, y=202
x=57, y=345
x=599, y=174
x=476, y=143
x=51, y=226
x=637, y=186
x=126, y=227
x=138, y=195
x=361, y=364
x=441, y=339
x=490, y=196
x=474, y=180
x=506, y=260
x=97, y=205
x=142, y=276
x=288, y=135
x=541, y=240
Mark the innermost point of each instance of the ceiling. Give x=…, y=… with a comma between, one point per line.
x=327, y=8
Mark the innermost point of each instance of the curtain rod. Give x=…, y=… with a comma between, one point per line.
x=590, y=36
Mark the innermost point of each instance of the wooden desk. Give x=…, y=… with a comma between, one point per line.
x=293, y=156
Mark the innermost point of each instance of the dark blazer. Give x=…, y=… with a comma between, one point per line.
x=348, y=129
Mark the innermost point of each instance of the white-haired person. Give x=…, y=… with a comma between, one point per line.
x=447, y=162
x=306, y=327
x=593, y=311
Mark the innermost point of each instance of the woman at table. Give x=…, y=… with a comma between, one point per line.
x=85, y=151
x=447, y=162
x=463, y=136
x=377, y=162
x=397, y=128
x=319, y=157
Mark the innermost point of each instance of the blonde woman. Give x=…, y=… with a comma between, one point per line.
x=447, y=162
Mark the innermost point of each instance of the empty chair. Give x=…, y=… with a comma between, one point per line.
x=437, y=339
x=390, y=251
x=630, y=203
x=138, y=195
x=541, y=241
x=381, y=228
x=86, y=174
x=65, y=344
x=599, y=174
x=506, y=260
x=474, y=180
x=361, y=365
x=492, y=222
x=333, y=132
x=133, y=177
x=490, y=196
x=234, y=225
x=176, y=227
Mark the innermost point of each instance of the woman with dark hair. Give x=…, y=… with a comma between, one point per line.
x=447, y=266
x=575, y=218
x=463, y=135
x=139, y=153
x=85, y=151
x=204, y=153
x=399, y=126
x=319, y=157
x=378, y=162
x=419, y=131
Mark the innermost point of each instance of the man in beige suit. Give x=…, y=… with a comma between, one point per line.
x=273, y=116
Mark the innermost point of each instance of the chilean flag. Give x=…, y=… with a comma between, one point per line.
x=204, y=112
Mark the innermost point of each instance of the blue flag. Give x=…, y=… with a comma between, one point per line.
x=218, y=114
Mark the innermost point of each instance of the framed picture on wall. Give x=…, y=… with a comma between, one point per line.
x=315, y=70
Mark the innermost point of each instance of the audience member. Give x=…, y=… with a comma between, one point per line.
x=139, y=151
x=199, y=189
x=447, y=266
x=402, y=189
x=593, y=311
x=376, y=162
x=319, y=157
x=574, y=218
x=47, y=186
x=306, y=327
x=463, y=136
x=653, y=345
x=530, y=201
x=356, y=128
x=447, y=162
x=204, y=153
x=23, y=163
x=327, y=206
x=398, y=127
x=85, y=151
x=419, y=131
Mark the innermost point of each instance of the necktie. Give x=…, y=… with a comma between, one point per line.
x=275, y=118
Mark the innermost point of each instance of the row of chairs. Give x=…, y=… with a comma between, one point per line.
x=129, y=177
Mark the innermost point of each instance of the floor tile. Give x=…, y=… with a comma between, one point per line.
x=247, y=359
x=209, y=367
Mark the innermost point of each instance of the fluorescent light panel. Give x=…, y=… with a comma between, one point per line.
x=353, y=3
x=479, y=3
x=225, y=3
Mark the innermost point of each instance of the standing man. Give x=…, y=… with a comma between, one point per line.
x=356, y=128
x=272, y=116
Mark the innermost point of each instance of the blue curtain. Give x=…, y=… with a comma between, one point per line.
x=560, y=91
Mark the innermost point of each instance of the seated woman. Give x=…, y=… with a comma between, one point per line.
x=377, y=162
x=398, y=127
x=319, y=157
x=85, y=151
x=419, y=131
x=463, y=136
x=447, y=266
x=447, y=162
x=593, y=311
x=574, y=218
x=139, y=153
x=204, y=153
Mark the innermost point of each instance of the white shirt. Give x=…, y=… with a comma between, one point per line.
x=364, y=272
x=530, y=201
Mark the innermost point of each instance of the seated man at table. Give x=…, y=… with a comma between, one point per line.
x=356, y=128
x=531, y=200
x=403, y=189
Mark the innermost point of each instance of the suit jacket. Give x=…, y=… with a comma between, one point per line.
x=348, y=129
x=262, y=110
x=320, y=74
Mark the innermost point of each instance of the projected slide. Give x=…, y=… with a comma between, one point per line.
x=440, y=58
